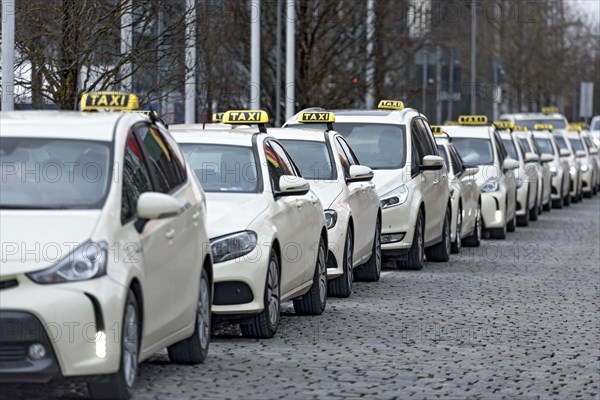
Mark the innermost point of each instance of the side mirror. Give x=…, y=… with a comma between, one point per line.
x=593, y=150
x=432, y=163
x=154, y=205
x=470, y=171
x=531, y=157
x=290, y=185
x=360, y=173
x=565, y=153
x=546, y=157
x=580, y=153
x=509, y=164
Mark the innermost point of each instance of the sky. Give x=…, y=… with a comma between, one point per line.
x=590, y=7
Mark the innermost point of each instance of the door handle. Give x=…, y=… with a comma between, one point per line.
x=196, y=215
x=170, y=234
x=298, y=204
x=436, y=181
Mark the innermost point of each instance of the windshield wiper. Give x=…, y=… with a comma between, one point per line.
x=26, y=207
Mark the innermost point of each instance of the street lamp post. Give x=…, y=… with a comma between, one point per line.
x=255, y=55
x=8, y=55
x=473, y=56
x=290, y=59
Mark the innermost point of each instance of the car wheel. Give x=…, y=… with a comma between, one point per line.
x=535, y=211
x=265, y=324
x=475, y=239
x=524, y=220
x=371, y=270
x=458, y=239
x=120, y=385
x=342, y=285
x=415, y=258
x=441, y=251
x=559, y=203
x=548, y=206
x=315, y=300
x=567, y=201
x=512, y=224
x=194, y=349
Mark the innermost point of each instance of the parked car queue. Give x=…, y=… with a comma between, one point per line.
x=141, y=235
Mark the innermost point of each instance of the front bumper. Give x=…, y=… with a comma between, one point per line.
x=336, y=238
x=240, y=283
x=557, y=187
x=493, y=209
x=69, y=315
x=522, y=199
x=586, y=181
x=398, y=227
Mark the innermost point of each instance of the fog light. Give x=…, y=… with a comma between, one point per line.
x=37, y=351
x=100, y=344
x=392, y=238
x=498, y=216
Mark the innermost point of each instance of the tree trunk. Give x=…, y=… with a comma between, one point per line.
x=68, y=64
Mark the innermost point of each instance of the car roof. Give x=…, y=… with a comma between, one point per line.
x=314, y=135
x=466, y=131
x=230, y=137
x=359, y=115
x=64, y=124
x=542, y=134
x=532, y=115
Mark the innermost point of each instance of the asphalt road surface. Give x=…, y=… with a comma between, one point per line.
x=518, y=319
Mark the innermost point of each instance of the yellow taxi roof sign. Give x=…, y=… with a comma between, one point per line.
x=218, y=117
x=391, y=105
x=437, y=130
x=245, y=117
x=549, y=110
x=542, y=127
x=574, y=127
x=472, y=120
x=310, y=117
x=504, y=125
x=123, y=101
x=520, y=128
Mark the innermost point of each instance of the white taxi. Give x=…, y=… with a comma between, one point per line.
x=526, y=176
x=352, y=210
x=573, y=157
x=480, y=145
x=544, y=178
x=266, y=227
x=466, y=226
x=559, y=166
x=585, y=161
x=103, y=247
x=548, y=115
x=593, y=152
x=410, y=177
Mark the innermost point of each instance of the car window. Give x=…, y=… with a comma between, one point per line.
x=278, y=162
x=160, y=159
x=419, y=147
x=545, y=145
x=343, y=159
x=576, y=144
x=348, y=151
x=427, y=137
x=136, y=178
x=502, y=153
x=510, y=148
x=312, y=158
x=178, y=157
x=525, y=143
x=444, y=154
x=560, y=142
x=223, y=168
x=588, y=142
x=456, y=160
x=474, y=151
x=379, y=146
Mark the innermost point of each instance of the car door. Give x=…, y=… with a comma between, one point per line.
x=468, y=190
x=362, y=200
x=506, y=176
x=287, y=217
x=172, y=248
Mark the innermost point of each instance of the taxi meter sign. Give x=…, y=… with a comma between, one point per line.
x=109, y=101
x=316, y=117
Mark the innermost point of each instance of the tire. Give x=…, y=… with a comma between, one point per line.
x=475, y=239
x=315, y=300
x=371, y=270
x=120, y=385
x=500, y=233
x=588, y=195
x=415, y=257
x=558, y=203
x=265, y=324
x=194, y=349
x=512, y=224
x=533, y=214
x=524, y=220
x=456, y=245
x=342, y=285
x=441, y=252
x=567, y=200
x=548, y=206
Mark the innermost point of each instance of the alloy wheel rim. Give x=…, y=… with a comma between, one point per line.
x=349, y=250
x=478, y=222
x=420, y=241
x=322, y=275
x=130, y=345
x=273, y=293
x=458, y=228
x=204, y=314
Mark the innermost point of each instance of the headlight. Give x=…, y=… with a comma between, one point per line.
x=519, y=182
x=572, y=170
x=584, y=167
x=491, y=185
x=330, y=218
x=553, y=170
x=232, y=246
x=87, y=261
x=394, y=198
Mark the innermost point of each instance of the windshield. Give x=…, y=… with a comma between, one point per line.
x=525, y=144
x=557, y=123
x=379, y=146
x=595, y=124
x=560, y=142
x=576, y=144
x=510, y=149
x=474, y=151
x=222, y=168
x=588, y=142
x=311, y=157
x=54, y=173
x=545, y=145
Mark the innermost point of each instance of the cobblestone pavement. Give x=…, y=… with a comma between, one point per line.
x=513, y=319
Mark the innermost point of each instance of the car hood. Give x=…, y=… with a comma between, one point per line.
x=34, y=240
x=386, y=180
x=232, y=212
x=326, y=191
